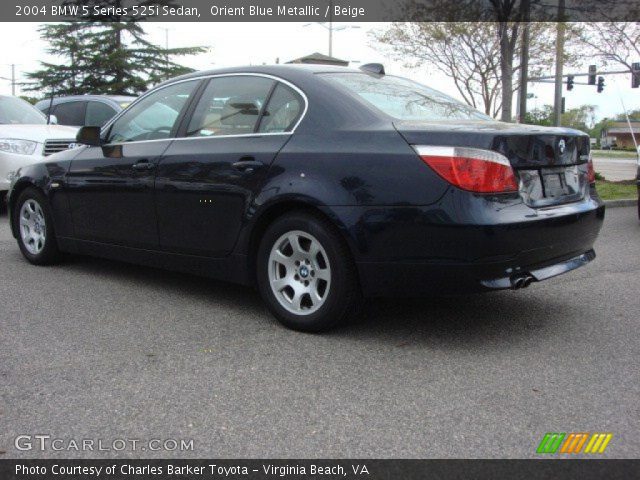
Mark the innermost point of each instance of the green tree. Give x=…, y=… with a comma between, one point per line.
x=596, y=131
x=580, y=118
x=542, y=116
x=106, y=57
x=65, y=41
x=634, y=116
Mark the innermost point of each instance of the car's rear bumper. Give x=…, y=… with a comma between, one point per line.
x=423, y=279
x=474, y=246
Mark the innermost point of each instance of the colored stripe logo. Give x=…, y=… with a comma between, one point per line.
x=574, y=443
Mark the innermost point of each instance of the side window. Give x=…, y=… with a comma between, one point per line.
x=154, y=117
x=70, y=113
x=98, y=114
x=230, y=106
x=283, y=110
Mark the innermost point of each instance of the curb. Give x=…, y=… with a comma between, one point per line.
x=627, y=202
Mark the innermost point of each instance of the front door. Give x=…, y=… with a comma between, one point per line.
x=110, y=188
x=207, y=178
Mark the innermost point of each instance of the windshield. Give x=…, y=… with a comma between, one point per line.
x=14, y=110
x=405, y=100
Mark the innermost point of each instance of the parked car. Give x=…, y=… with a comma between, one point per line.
x=319, y=185
x=85, y=110
x=25, y=138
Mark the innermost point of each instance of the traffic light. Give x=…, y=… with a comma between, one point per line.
x=635, y=75
x=600, y=84
x=592, y=74
x=570, y=82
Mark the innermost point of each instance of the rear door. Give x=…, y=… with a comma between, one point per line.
x=110, y=188
x=207, y=179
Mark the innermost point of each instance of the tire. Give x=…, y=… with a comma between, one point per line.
x=37, y=242
x=318, y=292
x=3, y=201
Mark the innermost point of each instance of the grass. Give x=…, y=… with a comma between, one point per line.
x=617, y=190
x=614, y=154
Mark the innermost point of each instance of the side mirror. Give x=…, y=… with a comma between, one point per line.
x=89, y=136
x=53, y=120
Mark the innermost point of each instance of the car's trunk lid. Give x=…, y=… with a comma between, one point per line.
x=551, y=163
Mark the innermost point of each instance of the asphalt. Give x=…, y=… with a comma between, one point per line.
x=616, y=169
x=92, y=349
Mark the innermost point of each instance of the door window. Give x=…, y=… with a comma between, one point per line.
x=98, y=114
x=283, y=110
x=230, y=106
x=70, y=113
x=155, y=116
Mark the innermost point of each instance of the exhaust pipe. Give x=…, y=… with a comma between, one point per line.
x=522, y=281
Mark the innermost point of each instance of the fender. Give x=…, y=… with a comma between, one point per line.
x=47, y=177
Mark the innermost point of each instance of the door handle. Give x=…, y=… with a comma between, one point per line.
x=247, y=164
x=144, y=165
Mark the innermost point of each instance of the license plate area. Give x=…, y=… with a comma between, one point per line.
x=552, y=185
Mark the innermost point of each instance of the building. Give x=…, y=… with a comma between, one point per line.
x=320, y=59
x=618, y=135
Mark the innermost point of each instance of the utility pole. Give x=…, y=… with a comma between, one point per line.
x=13, y=79
x=524, y=62
x=331, y=28
x=557, y=104
x=166, y=47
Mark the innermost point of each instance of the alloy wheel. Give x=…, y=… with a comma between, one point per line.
x=33, y=227
x=299, y=272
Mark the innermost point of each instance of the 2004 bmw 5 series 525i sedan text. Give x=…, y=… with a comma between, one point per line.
x=319, y=185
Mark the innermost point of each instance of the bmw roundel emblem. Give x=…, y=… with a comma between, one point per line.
x=562, y=146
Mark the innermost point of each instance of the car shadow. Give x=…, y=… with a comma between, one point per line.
x=491, y=319
x=466, y=320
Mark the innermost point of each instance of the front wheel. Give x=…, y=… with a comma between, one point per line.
x=306, y=274
x=34, y=222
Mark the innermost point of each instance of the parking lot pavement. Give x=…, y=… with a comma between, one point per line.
x=616, y=169
x=92, y=349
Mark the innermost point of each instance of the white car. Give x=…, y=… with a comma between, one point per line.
x=25, y=138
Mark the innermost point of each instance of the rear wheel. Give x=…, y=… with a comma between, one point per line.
x=36, y=238
x=306, y=274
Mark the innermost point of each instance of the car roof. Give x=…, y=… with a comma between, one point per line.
x=113, y=99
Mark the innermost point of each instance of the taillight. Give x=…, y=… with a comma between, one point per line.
x=473, y=169
x=591, y=171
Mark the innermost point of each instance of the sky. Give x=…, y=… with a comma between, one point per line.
x=233, y=44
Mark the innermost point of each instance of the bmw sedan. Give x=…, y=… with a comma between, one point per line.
x=320, y=186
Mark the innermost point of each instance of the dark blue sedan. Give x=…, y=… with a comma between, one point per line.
x=319, y=185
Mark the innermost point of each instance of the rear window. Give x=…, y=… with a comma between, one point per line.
x=403, y=99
